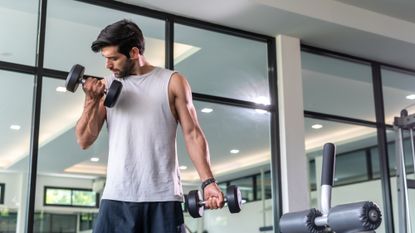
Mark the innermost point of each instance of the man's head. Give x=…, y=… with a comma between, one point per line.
x=124, y=34
x=120, y=43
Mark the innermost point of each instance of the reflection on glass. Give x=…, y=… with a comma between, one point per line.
x=76, y=31
x=246, y=186
x=337, y=87
x=61, y=163
x=16, y=109
x=18, y=23
x=223, y=65
x=264, y=186
x=229, y=129
x=353, y=172
x=55, y=196
x=398, y=93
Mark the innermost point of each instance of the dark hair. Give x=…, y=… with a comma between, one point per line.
x=124, y=34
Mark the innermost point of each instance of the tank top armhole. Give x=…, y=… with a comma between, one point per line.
x=172, y=72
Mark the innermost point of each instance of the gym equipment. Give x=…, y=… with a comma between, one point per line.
x=348, y=218
x=196, y=206
x=76, y=76
x=401, y=124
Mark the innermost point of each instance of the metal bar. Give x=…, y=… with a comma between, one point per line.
x=413, y=149
x=341, y=119
x=231, y=102
x=36, y=110
x=169, y=34
x=401, y=181
x=17, y=67
x=275, y=139
x=263, y=197
x=383, y=150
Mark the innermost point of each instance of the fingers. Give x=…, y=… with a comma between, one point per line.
x=214, y=198
x=94, y=88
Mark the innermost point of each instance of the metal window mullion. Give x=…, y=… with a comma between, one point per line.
x=169, y=35
x=275, y=140
x=383, y=152
x=36, y=110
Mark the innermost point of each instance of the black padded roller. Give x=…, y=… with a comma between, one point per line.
x=301, y=222
x=355, y=217
x=329, y=161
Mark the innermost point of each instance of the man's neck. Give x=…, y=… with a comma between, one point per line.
x=142, y=66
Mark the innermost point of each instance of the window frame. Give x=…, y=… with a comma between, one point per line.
x=46, y=188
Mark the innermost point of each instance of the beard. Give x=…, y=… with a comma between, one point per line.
x=126, y=70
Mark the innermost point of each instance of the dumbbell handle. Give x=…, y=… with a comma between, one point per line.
x=202, y=203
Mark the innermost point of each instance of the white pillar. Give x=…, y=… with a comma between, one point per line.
x=294, y=165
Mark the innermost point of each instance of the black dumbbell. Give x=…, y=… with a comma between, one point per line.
x=76, y=76
x=196, y=206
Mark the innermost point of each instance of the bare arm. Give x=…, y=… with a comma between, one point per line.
x=93, y=116
x=196, y=143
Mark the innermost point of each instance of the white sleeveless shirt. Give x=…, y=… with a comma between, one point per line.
x=142, y=159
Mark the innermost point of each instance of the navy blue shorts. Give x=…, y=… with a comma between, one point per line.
x=139, y=217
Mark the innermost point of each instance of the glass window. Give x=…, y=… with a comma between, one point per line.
x=267, y=186
x=86, y=221
x=337, y=87
x=16, y=109
x=398, y=93
x=47, y=222
x=18, y=23
x=312, y=174
x=61, y=162
x=239, y=144
x=72, y=26
x=56, y=196
x=222, y=65
x=351, y=167
x=352, y=142
x=246, y=186
x=70, y=197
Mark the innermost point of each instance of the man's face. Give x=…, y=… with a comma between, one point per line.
x=117, y=62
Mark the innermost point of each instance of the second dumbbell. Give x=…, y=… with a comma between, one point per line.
x=196, y=205
x=76, y=77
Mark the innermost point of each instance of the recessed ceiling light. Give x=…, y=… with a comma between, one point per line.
x=61, y=89
x=411, y=97
x=207, y=110
x=94, y=159
x=183, y=167
x=15, y=127
x=316, y=126
x=234, y=151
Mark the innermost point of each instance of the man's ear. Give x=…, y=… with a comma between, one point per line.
x=134, y=53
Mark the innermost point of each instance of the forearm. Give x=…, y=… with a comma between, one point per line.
x=90, y=123
x=198, y=149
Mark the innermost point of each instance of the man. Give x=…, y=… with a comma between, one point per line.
x=143, y=192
